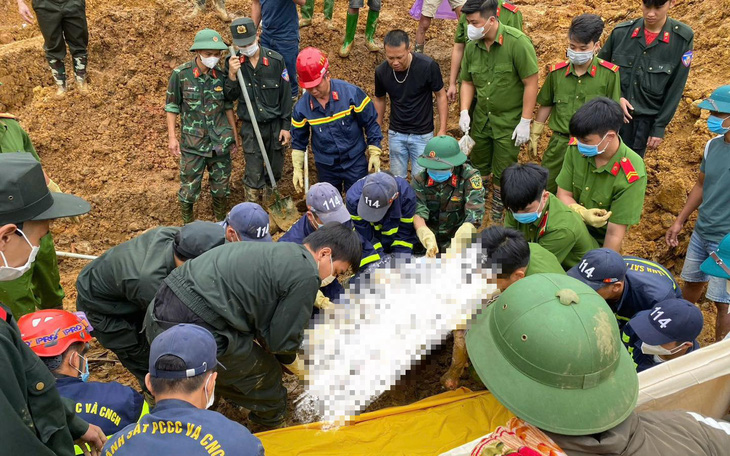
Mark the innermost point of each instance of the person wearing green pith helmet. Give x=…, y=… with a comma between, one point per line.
x=352, y=15
x=307, y=11
x=549, y=350
x=207, y=125
x=450, y=196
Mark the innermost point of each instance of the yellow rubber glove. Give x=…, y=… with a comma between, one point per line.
x=535, y=133
x=374, y=160
x=297, y=161
x=296, y=367
x=593, y=217
x=428, y=239
x=463, y=235
x=322, y=301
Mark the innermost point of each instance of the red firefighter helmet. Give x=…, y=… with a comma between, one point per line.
x=312, y=65
x=50, y=332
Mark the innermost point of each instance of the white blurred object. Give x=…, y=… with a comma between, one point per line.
x=466, y=144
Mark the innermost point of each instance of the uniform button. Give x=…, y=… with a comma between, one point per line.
x=489, y=83
x=644, y=52
x=39, y=386
x=600, y=204
x=576, y=97
x=580, y=81
x=264, y=85
x=489, y=113
x=487, y=98
x=588, y=188
x=650, y=68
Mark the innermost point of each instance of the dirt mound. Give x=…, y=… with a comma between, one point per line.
x=110, y=146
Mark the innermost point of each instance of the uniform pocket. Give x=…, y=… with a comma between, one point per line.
x=504, y=74
x=192, y=138
x=656, y=78
x=191, y=98
x=270, y=93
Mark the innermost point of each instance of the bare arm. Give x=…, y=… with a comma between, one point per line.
x=379, y=103
x=694, y=199
x=442, y=104
x=529, y=96
x=418, y=222
x=173, y=143
x=256, y=12
x=25, y=12
x=232, y=122
x=543, y=113
x=457, y=53
x=566, y=197
x=614, y=236
x=299, y=2
x=467, y=95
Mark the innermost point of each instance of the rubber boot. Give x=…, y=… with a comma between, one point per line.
x=80, y=72
x=220, y=10
x=220, y=208
x=307, y=11
x=372, y=24
x=58, y=71
x=329, y=7
x=186, y=210
x=196, y=10
x=253, y=195
x=349, y=35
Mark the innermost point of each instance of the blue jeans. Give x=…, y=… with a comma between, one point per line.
x=404, y=147
x=289, y=49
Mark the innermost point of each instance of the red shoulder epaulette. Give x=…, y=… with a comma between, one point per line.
x=573, y=141
x=266, y=61
x=543, y=224
x=509, y=7
x=611, y=66
x=3, y=314
x=7, y=115
x=615, y=168
x=560, y=65
x=631, y=174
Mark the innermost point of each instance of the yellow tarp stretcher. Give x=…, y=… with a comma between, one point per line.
x=428, y=427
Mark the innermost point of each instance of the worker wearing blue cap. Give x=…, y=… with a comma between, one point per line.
x=247, y=222
x=710, y=196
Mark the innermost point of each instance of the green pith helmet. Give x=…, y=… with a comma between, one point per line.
x=208, y=39
x=719, y=100
x=442, y=152
x=549, y=350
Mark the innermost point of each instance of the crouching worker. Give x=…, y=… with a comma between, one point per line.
x=182, y=378
x=61, y=339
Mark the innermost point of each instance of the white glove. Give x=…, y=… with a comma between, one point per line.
x=465, y=121
x=522, y=132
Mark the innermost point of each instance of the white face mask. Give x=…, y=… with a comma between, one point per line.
x=579, y=58
x=476, y=33
x=210, y=399
x=330, y=278
x=210, y=62
x=659, y=350
x=7, y=273
x=250, y=51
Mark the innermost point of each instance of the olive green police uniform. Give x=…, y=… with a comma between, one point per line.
x=652, y=77
x=618, y=186
x=497, y=76
x=507, y=13
x=565, y=91
x=560, y=230
x=206, y=135
x=64, y=22
x=542, y=261
x=40, y=287
x=270, y=93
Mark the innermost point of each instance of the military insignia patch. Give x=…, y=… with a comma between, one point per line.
x=476, y=182
x=241, y=30
x=431, y=154
x=215, y=38
x=218, y=89
x=687, y=58
x=285, y=75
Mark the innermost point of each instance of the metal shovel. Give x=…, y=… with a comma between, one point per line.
x=282, y=210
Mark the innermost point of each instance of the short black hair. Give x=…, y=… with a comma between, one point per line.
x=487, y=8
x=654, y=3
x=522, y=184
x=586, y=28
x=503, y=248
x=176, y=385
x=344, y=242
x=395, y=38
x=53, y=363
x=596, y=117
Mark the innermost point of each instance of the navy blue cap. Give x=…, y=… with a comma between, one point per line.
x=250, y=221
x=193, y=344
x=599, y=268
x=325, y=201
x=378, y=193
x=673, y=320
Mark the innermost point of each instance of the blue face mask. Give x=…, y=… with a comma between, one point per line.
x=439, y=176
x=714, y=124
x=591, y=151
x=526, y=218
x=85, y=373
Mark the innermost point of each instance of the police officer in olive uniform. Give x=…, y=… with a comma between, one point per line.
x=654, y=53
x=35, y=420
x=115, y=289
x=569, y=84
x=40, y=287
x=269, y=90
x=602, y=179
x=500, y=65
x=61, y=23
x=207, y=125
x=449, y=194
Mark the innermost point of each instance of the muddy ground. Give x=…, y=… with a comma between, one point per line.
x=110, y=145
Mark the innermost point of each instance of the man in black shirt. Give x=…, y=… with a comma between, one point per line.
x=409, y=80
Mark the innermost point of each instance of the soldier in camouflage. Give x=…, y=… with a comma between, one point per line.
x=207, y=125
x=450, y=195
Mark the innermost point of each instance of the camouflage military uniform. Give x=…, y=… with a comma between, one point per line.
x=446, y=206
x=206, y=135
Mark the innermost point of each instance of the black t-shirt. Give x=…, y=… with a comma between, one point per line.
x=411, y=103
